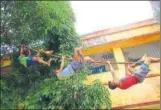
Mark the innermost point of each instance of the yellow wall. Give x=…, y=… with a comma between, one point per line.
x=124, y=39
x=149, y=90
x=135, y=32
x=121, y=44
x=5, y=63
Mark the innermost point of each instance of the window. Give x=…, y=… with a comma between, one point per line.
x=99, y=69
x=95, y=69
x=134, y=53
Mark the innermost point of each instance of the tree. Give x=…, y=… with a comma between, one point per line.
x=29, y=21
x=17, y=84
x=69, y=94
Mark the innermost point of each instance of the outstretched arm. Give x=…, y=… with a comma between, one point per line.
x=62, y=64
x=115, y=79
x=112, y=70
x=21, y=50
x=29, y=52
x=89, y=59
x=61, y=67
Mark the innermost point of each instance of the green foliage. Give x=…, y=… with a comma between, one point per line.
x=16, y=85
x=36, y=20
x=33, y=89
x=68, y=94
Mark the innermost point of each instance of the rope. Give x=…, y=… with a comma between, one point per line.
x=56, y=55
x=68, y=58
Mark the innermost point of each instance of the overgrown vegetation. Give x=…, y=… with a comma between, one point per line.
x=68, y=94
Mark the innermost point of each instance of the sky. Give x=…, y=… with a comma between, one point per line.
x=93, y=16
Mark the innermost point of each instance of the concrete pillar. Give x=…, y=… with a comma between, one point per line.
x=119, y=57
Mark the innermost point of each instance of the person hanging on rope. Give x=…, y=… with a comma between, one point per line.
x=77, y=63
x=131, y=78
x=27, y=60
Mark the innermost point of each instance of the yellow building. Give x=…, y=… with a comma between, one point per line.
x=5, y=65
x=129, y=42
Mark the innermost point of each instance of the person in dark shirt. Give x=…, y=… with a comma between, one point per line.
x=27, y=60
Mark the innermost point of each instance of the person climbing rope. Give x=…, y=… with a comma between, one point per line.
x=27, y=60
x=131, y=78
x=77, y=63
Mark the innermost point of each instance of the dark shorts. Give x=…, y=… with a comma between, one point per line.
x=142, y=72
x=30, y=61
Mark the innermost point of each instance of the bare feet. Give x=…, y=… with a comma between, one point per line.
x=143, y=58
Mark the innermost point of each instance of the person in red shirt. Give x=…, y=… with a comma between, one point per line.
x=131, y=78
